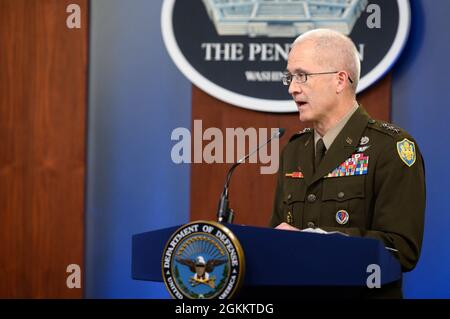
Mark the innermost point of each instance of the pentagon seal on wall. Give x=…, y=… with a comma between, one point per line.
x=237, y=50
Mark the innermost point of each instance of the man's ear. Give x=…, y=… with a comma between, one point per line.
x=342, y=81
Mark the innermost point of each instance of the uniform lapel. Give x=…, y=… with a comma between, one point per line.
x=344, y=145
x=305, y=153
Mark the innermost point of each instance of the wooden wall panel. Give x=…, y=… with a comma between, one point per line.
x=43, y=84
x=251, y=194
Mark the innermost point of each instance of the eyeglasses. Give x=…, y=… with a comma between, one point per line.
x=300, y=78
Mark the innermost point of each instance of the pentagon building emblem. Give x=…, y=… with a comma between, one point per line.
x=282, y=18
x=237, y=50
x=203, y=260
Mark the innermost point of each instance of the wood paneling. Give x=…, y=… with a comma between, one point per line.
x=43, y=74
x=251, y=193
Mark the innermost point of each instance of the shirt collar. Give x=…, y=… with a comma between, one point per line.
x=332, y=133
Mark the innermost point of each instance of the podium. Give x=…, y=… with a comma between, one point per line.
x=283, y=264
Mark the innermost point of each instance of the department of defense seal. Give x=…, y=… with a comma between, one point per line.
x=203, y=260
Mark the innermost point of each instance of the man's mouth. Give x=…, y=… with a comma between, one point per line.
x=301, y=103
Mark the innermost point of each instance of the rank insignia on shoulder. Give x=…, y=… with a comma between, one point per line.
x=299, y=133
x=305, y=130
x=407, y=151
x=358, y=164
x=390, y=127
x=294, y=175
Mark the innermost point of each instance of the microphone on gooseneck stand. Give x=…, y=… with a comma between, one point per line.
x=224, y=213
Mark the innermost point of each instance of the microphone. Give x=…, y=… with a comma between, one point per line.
x=224, y=213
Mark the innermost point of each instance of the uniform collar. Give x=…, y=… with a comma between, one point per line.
x=343, y=146
x=332, y=133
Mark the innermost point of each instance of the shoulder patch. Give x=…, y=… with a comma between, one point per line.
x=300, y=133
x=407, y=151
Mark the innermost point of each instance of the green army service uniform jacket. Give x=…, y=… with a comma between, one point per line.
x=370, y=183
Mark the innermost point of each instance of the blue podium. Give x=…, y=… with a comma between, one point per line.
x=286, y=262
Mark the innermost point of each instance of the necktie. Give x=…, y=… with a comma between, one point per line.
x=320, y=153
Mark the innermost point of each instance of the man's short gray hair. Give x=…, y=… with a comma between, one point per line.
x=335, y=50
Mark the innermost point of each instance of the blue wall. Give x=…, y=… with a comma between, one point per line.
x=421, y=105
x=137, y=97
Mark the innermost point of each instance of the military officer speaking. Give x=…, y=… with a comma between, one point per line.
x=347, y=172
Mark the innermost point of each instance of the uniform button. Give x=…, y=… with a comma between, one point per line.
x=341, y=195
x=311, y=198
x=289, y=196
x=311, y=225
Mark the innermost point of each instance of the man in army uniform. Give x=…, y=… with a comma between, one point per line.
x=348, y=172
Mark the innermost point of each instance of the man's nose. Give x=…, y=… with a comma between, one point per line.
x=294, y=88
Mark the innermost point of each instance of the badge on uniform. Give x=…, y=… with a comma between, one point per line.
x=363, y=144
x=364, y=140
x=294, y=175
x=342, y=217
x=358, y=164
x=362, y=149
x=407, y=151
x=290, y=218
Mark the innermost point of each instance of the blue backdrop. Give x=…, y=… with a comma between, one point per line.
x=421, y=98
x=137, y=97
